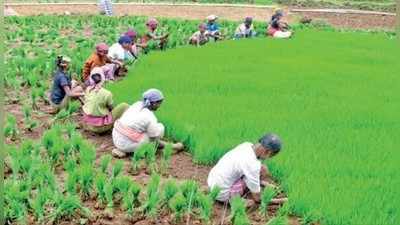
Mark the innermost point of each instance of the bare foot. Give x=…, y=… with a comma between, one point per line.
x=117, y=153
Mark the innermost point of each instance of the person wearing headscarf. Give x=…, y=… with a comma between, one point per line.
x=200, y=37
x=64, y=88
x=121, y=51
x=99, y=113
x=241, y=169
x=151, y=35
x=99, y=59
x=277, y=28
x=213, y=27
x=139, y=125
x=246, y=29
x=133, y=35
x=106, y=72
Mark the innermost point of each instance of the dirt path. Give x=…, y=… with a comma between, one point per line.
x=235, y=13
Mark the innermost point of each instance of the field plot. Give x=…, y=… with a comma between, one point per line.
x=333, y=98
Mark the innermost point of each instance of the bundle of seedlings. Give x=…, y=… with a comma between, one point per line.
x=238, y=211
x=11, y=128
x=266, y=196
x=150, y=205
x=138, y=155
x=29, y=123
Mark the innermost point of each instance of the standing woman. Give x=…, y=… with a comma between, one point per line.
x=98, y=111
x=105, y=7
x=138, y=125
x=64, y=88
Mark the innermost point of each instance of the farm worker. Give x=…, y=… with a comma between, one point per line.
x=277, y=28
x=246, y=29
x=241, y=168
x=152, y=25
x=200, y=37
x=100, y=59
x=133, y=35
x=138, y=125
x=98, y=111
x=105, y=7
x=106, y=72
x=213, y=27
x=121, y=52
x=64, y=88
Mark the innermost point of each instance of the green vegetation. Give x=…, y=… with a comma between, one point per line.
x=332, y=97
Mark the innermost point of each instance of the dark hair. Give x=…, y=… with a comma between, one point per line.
x=96, y=78
x=59, y=60
x=271, y=142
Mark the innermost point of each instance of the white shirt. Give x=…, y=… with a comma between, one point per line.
x=142, y=120
x=240, y=162
x=117, y=52
x=243, y=30
x=106, y=7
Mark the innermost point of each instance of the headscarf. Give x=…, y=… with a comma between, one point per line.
x=93, y=85
x=212, y=17
x=124, y=40
x=101, y=47
x=152, y=23
x=271, y=142
x=152, y=95
x=131, y=33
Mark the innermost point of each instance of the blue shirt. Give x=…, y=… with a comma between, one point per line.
x=212, y=27
x=61, y=79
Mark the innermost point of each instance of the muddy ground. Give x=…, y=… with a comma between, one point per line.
x=342, y=20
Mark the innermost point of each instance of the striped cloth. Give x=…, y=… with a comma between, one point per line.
x=237, y=188
x=106, y=7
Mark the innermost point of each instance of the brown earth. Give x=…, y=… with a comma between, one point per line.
x=342, y=20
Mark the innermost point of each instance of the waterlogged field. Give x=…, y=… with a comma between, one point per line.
x=332, y=97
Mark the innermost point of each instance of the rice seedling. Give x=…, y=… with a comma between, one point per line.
x=166, y=157
x=38, y=203
x=117, y=168
x=279, y=220
x=67, y=206
x=131, y=199
x=87, y=154
x=109, y=195
x=238, y=211
x=214, y=193
x=70, y=128
x=72, y=181
x=100, y=183
x=169, y=191
x=49, y=138
x=205, y=204
x=267, y=195
x=178, y=205
x=150, y=156
x=10, y=128
x=104, y=162
x=152, y=196
x=76, y=141
x=86, y=174
x=136, y=159
x=29, y=123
